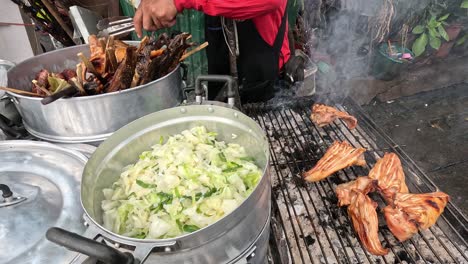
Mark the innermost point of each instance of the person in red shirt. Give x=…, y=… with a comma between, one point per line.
x=262, y=30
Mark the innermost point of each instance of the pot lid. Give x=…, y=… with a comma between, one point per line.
x=45, y=182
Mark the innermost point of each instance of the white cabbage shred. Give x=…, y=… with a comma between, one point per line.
x=179, y=186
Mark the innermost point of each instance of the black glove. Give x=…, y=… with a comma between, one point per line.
x=294, y=69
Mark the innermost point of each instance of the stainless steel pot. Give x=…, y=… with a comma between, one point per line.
x=41, y=185
x=90, y=118
x=240, y=237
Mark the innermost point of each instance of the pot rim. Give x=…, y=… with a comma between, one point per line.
x=165, y=241
x=91, y=97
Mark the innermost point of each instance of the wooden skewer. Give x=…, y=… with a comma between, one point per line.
x=47, y=92
x=390, y=48
x=57, y=17
x=19, y=91
x=190, y=53
x=87, y=63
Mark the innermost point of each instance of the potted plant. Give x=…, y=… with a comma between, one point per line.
x=437, y=32
x=432, y=32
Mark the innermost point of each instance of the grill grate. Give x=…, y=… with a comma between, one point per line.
x=308, y=226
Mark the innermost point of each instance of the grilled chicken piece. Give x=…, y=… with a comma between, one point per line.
x=339, y=156
x=366, y=224
x=323, y=115
x=399, y=223
x=98, y=55
x=424, y=208
x=361, y=184
x=390, y=176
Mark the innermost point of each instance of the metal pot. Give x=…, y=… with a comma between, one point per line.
x=239, y=237
x=39, y=188
x=89, y=118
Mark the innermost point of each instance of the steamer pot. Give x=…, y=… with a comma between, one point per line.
x=239, y=237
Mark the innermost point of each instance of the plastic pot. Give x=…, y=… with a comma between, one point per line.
x=386, y=67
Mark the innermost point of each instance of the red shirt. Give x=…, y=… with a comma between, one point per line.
x=265, y=14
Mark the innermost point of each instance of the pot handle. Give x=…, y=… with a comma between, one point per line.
x=231, y=93
x=88, y=247
x=11, y=129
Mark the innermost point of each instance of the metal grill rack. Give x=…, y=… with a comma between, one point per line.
x=308, y=226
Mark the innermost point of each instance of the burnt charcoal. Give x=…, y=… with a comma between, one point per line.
x=309, y=240
x=403, y=255
x=336, y=180
x=299, y=182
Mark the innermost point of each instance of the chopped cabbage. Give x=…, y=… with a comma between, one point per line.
x=179, y=186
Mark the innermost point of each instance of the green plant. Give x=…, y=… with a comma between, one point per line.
x=464, y=4
x=430, y=32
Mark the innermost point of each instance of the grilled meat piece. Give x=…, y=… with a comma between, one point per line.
x=344, y=191
x=42, y=81
x=124, y=74
x=366, y=224
x=339, y=156
x=424, y=208
x=399, y=223
x=98, y=55
x=323, y=115
x=67, y=74
x=390, y=176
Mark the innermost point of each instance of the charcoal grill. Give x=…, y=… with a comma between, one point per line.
x=307, y=225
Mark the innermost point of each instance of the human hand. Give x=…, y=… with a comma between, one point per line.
x=294, y=69
x=154, y=14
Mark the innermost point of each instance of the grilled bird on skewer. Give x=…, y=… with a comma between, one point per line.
x=339, y=156
x=413, y=211
x=364, y=217
x=323, y=115
x=344, y=191
x=390, y=176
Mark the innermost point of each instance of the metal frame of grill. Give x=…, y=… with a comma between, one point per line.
x=308, y=226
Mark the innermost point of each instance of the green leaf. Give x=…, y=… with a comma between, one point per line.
x=434, y=42
x=232, y=166
x=190, y=228
x=462, y=39
x=161, y=140
x=443, y=17
x=443, y=33
x=418, y=29
x=433, y=33
x=432, y=22
x=419, y=45
x=145, y=185
x=57, y=84
x=464, y=4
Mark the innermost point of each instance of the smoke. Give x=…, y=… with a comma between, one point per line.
x=346, y=35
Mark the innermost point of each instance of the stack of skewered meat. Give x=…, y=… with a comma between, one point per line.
x=114, y=65
x=405, y=213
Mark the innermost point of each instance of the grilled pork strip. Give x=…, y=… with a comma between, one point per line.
x=366, y=224
x=339, y=156
x=390, y=176
x=323, y=115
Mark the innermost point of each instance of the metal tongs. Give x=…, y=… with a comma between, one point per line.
x=115, y=26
